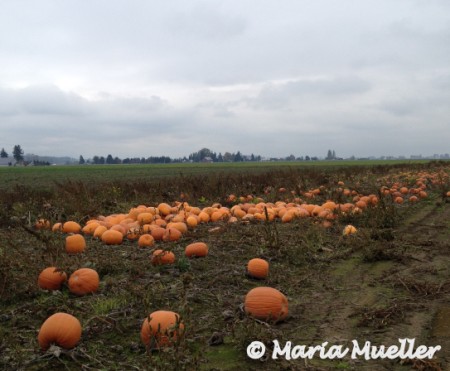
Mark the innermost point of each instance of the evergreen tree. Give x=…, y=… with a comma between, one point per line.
x=3, y=153
x=238, y=157
x=18, y=153
x=81, y=160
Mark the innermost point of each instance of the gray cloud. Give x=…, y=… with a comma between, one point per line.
x=281, y=94
x=273, y=78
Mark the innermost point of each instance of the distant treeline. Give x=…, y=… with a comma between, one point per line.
x=204, y=155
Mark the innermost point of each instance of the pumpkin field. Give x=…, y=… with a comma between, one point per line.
x=183, y=267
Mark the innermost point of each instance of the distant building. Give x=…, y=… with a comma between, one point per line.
x=7, y=161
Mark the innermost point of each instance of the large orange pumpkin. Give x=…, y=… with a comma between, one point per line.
x=84, y=281
x=266, y=303
x=61, y=329
x=51, y=278
x=161, y=328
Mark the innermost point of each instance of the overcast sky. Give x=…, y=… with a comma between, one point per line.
x=141, y=78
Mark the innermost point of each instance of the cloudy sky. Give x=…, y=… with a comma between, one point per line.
x=141, y=78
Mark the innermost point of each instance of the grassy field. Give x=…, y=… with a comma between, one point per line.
x=390, y=280
x=45, y=176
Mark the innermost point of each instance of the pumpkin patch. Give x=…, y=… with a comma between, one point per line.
x=291, y=255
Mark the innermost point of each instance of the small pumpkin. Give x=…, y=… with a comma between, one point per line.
x=57, y=227
x=196, y=249
x=62, y=329
x=75, y=244
x=258, y=268
x=267, y=304
x=42, y=224
x=348, y=230
x=161, y=329
x=51, y=278
x=84, y=281
x=163, y=257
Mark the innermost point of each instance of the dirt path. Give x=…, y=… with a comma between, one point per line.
x=383, y=301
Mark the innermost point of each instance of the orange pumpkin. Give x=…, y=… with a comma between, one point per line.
x=51, y=278
x=42, y=224
x=181, y=226
x=164, y=209
x=158, y=233
x=57, y=227
x=99, y=231
x=196, y=249
x=112, y=237
x=171, y=234
x=90, y=227
x=266, y=303
x=146, y=240
x=398, y=200
x=258, y=268
x=75, y=244
x=62, y=329
x=348, y=230
x=192, y=221
x=163, y=257
x=161, y=328
x=71, y=227
x=84, y=281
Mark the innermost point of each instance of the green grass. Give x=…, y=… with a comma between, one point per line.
x=46, y=176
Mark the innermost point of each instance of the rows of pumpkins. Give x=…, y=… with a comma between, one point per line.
x=148, y=224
